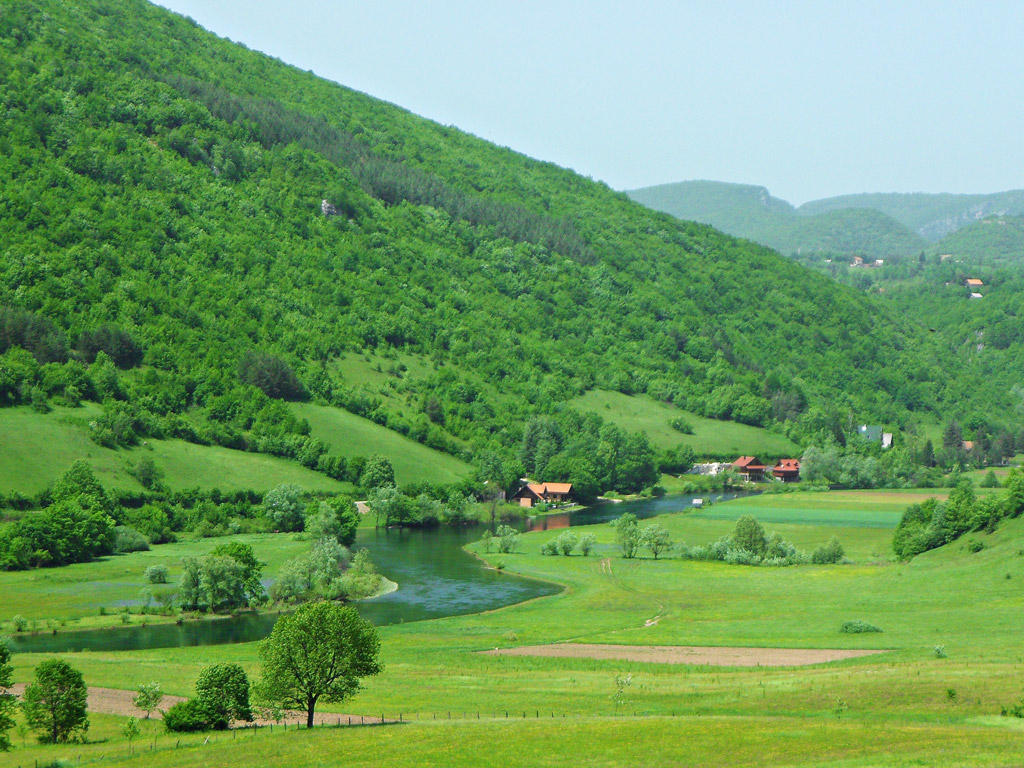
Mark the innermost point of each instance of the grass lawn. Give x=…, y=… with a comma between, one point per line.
x=36, y=449
x=908, y=706
x=350, y=435
x=710, y=437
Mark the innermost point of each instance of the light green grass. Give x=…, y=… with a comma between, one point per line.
x=588, y=742
x=710, y=437
x=897, y=706
x=36, y=449
x=350, y=435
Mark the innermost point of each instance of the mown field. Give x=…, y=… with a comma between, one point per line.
x=349, y=435
x=908, y=706
x=710, y=437
x=36, y=449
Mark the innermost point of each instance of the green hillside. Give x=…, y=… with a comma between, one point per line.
x=991, y=242
x=710, y=438
x=349, y=435
x=37, y=449
x=932, y=216
x=194, y=233
x=751, y=212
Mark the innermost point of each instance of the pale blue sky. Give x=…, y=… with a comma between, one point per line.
x=810, y=99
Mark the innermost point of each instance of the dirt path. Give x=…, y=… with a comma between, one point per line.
x=115, y=701
x=685, y=654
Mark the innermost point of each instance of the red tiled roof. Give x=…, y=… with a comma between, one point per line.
x=558, y=487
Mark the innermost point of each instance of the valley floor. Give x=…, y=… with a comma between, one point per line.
x=951, y=628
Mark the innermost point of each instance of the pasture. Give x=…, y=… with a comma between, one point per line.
x=349, y=435
x=36, y=449
x=726, y=439
x=908, y=705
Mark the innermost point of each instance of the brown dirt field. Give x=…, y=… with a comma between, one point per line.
x=685, y=654
x=116, y=701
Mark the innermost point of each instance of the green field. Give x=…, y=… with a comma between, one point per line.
x=36, y=449
x=350, y=435
x=903, y=707
x=710, y=437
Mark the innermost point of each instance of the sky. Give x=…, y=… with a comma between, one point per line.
x=810, y=99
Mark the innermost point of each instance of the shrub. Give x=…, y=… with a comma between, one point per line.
x=508, y=539
x=829, y=553
x=587, y=543
x=856, y=627
x=567, y=542
x=129, y=540
x=20, y=623
x=549, y=547
x=194, y=715
x=157, y=574
x=680, y=424
x=224, y=690
x=975, y=545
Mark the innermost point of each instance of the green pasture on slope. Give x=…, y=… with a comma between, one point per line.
x=349, y=435
x=711, y=437
x=36, y=449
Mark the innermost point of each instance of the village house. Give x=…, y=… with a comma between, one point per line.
x=750, y=469
x=973, y=282
x=535, y=493
x=787, y=470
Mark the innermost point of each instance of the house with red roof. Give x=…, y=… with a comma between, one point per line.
x=534, y=493
x=787, y=470
x=750, y=468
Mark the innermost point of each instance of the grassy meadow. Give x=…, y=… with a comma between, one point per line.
x=710, y=437
x=36, y=449
x=906, y=706
x=349, y=435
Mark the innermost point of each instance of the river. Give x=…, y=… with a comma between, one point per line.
x=436, y=577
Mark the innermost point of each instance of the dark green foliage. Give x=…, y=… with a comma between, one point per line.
x=212, y=583
x=55, y=702
x=377, y=473
x=856, y=626
x=272, y=375
x=680, y=424
x=8, y=703
x=749, y=535
x=224, y=689
x=147, y=473
x=114, y=342
x=194, y=715
x=931, y=524
x=77, y=526
x=829, y=553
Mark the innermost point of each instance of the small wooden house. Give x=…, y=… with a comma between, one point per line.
x=750, y=469
x=534, y=493
x=787, y=470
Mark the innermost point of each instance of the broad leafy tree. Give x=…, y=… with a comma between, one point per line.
x=319, y=653
x=7, y=700
x=55, y=702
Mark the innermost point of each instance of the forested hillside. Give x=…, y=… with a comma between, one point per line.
x=193, y=233
x=933, y=216
x=749, y=211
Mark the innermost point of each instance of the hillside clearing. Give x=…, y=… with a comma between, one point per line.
x=711, y=437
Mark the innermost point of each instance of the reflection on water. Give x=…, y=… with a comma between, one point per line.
x=435, y=576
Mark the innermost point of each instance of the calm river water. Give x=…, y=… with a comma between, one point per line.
x=435, y=577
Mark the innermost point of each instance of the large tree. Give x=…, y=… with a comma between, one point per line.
x=317, y=653
x=54, y=704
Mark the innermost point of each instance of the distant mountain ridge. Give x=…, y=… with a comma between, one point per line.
x=751, y=212
x=876, y=225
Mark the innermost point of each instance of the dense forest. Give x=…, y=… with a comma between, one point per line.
x=193, y=233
